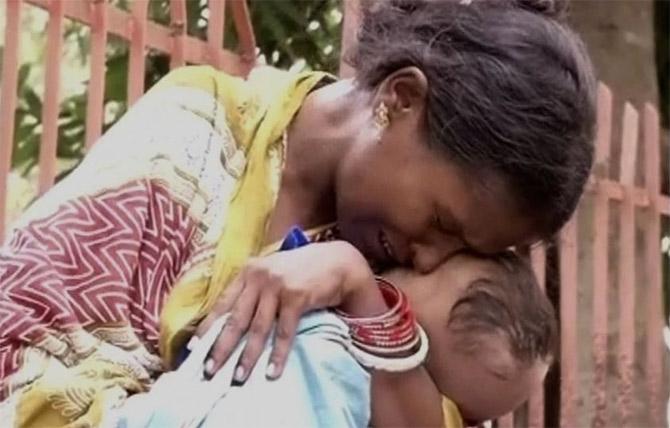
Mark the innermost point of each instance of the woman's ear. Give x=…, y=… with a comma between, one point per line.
x=404, y=91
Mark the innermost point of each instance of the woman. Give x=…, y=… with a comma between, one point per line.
x=468, y=124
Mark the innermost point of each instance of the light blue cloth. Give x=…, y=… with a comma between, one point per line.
x=322, y=386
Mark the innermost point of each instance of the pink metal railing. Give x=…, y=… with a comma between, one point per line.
x=600, y=261
x=538, y=258
x=51, y=96
x=105, y=19
x=142, y=34
x=96, y=84
x=138, y=41
x=10, y=71
x=568, y=314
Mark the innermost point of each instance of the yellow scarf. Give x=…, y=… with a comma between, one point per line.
x=257, y=112
x=452, y=417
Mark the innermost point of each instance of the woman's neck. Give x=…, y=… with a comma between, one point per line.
x=319, y=138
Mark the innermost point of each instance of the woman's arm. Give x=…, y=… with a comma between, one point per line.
x=361, y=297
x=281, y=288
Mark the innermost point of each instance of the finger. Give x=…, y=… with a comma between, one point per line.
x=257, y=337
x=224, y=377
x=194, y=362
x=224, y=303
x=236, y=326
x=287, y=324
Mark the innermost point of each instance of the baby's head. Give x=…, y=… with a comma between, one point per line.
x=492, y=331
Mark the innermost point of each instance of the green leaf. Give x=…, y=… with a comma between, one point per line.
x=116, y=79
x=279, y=25
x=33, y=101
x=24, y=73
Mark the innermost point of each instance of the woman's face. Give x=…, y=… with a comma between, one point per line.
x=401, y=202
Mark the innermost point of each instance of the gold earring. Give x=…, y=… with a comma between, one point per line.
x=381, y=116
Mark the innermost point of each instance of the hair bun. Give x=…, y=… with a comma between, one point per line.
x=549, y=8
x=556, y=9
x=402, y=6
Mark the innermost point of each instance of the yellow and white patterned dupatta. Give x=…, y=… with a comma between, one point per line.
x=105, y=276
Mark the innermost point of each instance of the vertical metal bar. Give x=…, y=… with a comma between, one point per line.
x=10, y=76
x=96, y=85
x=536, y=402
x=352, y=18
x=600, y=260
x=604, y=131
x=626, y=263
x=538, y=260
x=217, y=17
x=569, y=361
x=47, y=157
x=654, y=301
x=178, y=22
x=245, y=34
x=136, y=66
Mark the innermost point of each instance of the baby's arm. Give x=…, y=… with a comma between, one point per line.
x=405, y=399
x=408, y=398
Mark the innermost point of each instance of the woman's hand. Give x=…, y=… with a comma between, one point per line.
x=283, y=286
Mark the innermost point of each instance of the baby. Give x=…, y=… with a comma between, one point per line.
x=492, y=334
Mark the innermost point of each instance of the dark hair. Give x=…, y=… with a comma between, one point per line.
x=511, y=91
x=512, y=304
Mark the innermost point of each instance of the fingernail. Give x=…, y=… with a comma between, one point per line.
x=209, y=366
x=270, y=371
x=239, y=374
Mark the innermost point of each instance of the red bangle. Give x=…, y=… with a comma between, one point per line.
x=393, y=332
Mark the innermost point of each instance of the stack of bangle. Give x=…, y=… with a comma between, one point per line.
x=392, y=341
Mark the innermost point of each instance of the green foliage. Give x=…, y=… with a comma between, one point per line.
x=290, y=31
x=28, y=127
x=298, y=33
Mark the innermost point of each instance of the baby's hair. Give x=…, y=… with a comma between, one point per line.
x=508, y=302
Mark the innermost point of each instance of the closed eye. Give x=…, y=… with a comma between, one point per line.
x=450, y=229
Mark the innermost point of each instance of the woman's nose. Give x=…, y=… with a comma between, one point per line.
x=427, y=257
